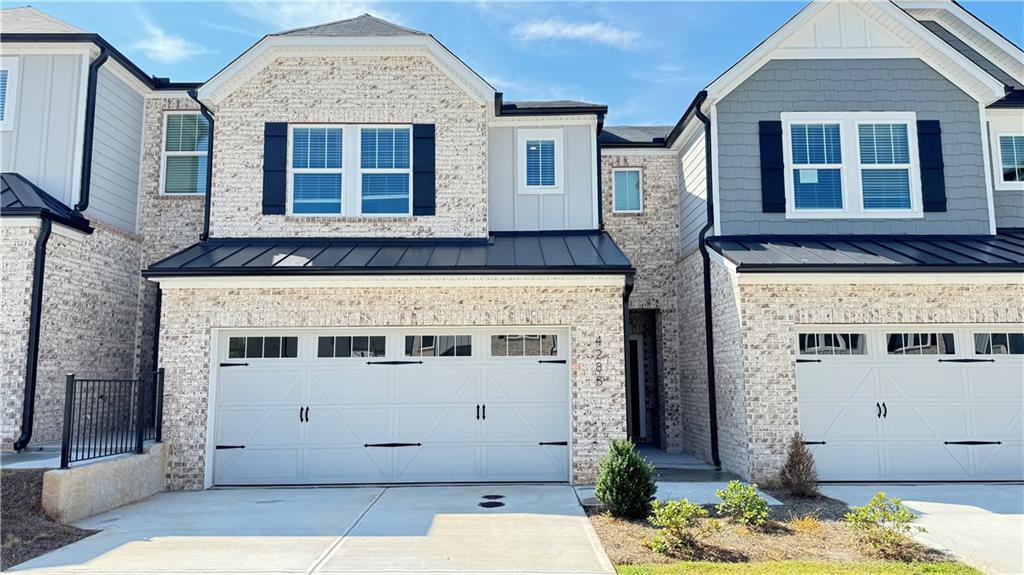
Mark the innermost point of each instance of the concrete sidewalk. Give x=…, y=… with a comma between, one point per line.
x=540, y=529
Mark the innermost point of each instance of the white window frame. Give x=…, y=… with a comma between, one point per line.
x=850, y=169
x=361, y=170
x=290, y=172
x=164, y=154
x=351, y=171
x=637, y=169
x=524, y=135
x=10, y=63
x=997, y=156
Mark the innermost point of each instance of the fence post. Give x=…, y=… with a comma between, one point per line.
x=140, y=413
x=65, y=437
x=159, y=405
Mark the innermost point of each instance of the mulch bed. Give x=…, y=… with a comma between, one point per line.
x=626, y=542
x=25, y=530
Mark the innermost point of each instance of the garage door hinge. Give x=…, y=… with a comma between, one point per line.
x=972, y=442
x=553, y=443
x=967, y=361
x=808, y=361
x=232, y=364
x=814, y=443
x=391, y=362
x=392, y=444
x=230, y=447
x=550, y=361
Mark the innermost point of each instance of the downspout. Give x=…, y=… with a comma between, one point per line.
x=626, y=291
x=28, y=405
x=709, y=334
x=600, y=177
x=90, y=128
x=209, y=165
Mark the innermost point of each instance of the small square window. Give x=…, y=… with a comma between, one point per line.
x=628, y=196
x=929, y=343
x=999, y=343
x=254, y=347
x=343, y=346
x=831, y=344
x=438, y=346
x=325, y=346
x=236, y=347
x=1011, y=154
x=272, y=347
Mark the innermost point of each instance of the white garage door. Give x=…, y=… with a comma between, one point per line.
x=913, y=403
x=392, y=406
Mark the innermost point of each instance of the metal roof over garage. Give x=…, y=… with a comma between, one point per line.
x=586, y=252
x=21, y=198
x=1003, y=252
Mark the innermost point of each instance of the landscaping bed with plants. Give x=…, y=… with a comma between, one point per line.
x=808, y=533
x=25, y=530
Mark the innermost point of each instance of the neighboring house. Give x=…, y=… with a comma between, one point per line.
x=393, y=275
x=866, y=252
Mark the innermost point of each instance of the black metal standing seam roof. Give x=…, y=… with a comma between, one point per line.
x=1003, y=252
x=21, y=198
x=587, y=252
x=627, y=135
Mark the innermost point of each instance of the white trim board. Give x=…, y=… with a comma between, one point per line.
x=371, y=281
x=881, y=278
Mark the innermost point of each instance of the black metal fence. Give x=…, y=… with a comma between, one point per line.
x=105, y=417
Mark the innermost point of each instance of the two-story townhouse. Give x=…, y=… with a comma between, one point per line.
x=72, y=112
x=861, y=256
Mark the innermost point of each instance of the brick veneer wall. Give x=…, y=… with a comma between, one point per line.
x=18, y=255
x=594, y=314
x=651, y=241
x=351, y=89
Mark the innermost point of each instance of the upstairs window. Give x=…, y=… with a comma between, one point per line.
x=1011, y=155
x=540, y=155
x=628, y=196
x=851, y=165
x=186, y=144
x=317, y=172
x=8, y=90
x=386, y=173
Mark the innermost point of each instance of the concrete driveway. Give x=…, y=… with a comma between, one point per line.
x=981, y=524
x=539, y=529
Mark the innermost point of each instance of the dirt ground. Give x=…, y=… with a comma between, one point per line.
x=626, y=542
x=25, y=530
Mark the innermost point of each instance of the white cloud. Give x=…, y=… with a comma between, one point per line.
x=598, y=32
x=164, y=48
x=287, y=15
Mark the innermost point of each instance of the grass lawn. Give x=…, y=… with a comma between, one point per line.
x=798, y=568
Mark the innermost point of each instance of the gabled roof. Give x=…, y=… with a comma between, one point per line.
x=365, y=25
x=568, y=252
x=26, y=19
x=1003, y=252
x=634, y=136
x=21, y=198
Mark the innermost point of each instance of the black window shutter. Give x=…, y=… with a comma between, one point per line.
x=773, y=170
x=933, y=179
x=275, y=167
x=423, y=176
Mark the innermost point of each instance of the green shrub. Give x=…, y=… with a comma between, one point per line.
x=742, y=504
x=798, y=475
x=625, y=481
x=885, y=523
x=682, y=524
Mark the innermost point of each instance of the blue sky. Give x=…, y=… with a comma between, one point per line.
x=645, y=60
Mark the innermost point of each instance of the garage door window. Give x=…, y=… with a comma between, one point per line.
x=438, y=346
x=265, y=347
x=524, y=345
x=351, y=346
x=920, y=344
x=832, y=343
x=999, y=343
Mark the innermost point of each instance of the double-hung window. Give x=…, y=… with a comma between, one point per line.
x=317, y=170
x=540, y=158
x=851, y=165
x=186, y=144
x=1011, y=158
x=385, y=167
x=8, y=90
x=628, y=190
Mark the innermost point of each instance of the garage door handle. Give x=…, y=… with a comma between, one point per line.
x=478, y=412
x=226, y=364
x=391, y=362
x=967, y=361
x=885, y=411
x=878, y=406
x=300, y=415
x=550, y=361
x=307, y=414
x=972, y=442
x=485, y=412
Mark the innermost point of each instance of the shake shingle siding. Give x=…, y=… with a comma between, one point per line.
x=850, y=86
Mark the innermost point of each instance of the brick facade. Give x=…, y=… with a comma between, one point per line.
x=18, y=249
x=351, y=89
x=593, y=313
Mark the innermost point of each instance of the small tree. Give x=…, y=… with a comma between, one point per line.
x=625, y=481
x=798, y=475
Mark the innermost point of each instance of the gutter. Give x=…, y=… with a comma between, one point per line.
x=35, y=316
x=709, y=333
x=626, y=291
x=90, y=128
x=209, y=165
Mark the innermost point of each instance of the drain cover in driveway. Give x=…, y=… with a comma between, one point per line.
x=493, y=497
x=490, y=504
